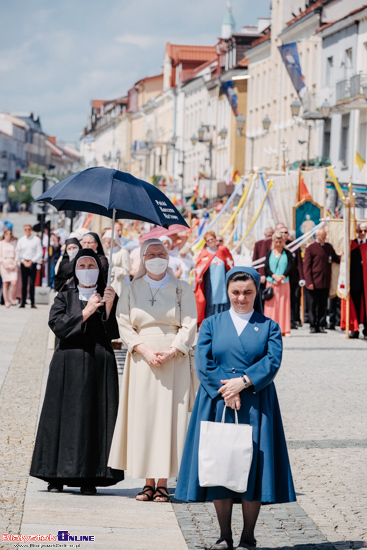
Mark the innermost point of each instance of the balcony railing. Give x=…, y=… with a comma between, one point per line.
x=343, y=90
x=356, y=83
x=351, y=87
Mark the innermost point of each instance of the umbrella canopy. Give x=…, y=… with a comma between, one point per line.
x=157, y=232
x=105, y=190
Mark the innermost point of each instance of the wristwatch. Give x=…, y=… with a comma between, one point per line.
x=247, y=384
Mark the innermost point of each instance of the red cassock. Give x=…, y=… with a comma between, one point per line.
x=202, y=265
x=353, y=318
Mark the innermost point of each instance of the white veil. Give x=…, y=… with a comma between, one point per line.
x=143, y=250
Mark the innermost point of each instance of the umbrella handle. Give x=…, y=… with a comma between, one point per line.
x=111, y=248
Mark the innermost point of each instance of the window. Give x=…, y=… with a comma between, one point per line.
x=343, y=153
x=327, y=134
x=348, y=63
x=329, y=71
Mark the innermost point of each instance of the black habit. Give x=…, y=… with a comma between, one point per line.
x=81, y=400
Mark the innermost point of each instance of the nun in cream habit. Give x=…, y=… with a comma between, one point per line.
x=157, y=320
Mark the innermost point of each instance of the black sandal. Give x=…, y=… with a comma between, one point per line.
x=159, y=494
x=146, y=490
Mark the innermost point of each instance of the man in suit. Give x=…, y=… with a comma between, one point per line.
x=317, y=271
x=358, y=278
x=260, y=250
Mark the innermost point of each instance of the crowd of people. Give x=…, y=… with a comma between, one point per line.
x=161, y=303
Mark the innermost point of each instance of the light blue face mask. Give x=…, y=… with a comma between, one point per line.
x=87, y=277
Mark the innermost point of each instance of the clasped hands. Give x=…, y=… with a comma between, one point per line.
x=278, y=279
x=230, y=391
x=155, y=358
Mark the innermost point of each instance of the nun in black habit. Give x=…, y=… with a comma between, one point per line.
x=81, y=400
x=65, y=269
x=92, y=240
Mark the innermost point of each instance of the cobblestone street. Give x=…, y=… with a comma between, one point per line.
x=321, y=386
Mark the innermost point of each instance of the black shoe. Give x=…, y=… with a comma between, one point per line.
x=322, y=330
x=249, y=544
x=354, y=334
x=294, y=326
x=88, y=489
x=313, y=330
x=222, y=544
x=330, y=327
x=55, y=487
x=34, y=306
x=22, y=305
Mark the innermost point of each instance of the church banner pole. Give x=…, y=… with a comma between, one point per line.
x=347, y=218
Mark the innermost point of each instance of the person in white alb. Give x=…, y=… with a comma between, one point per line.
x=29, y=249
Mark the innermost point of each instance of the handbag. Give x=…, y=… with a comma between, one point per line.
x=194, y=381
x=225, y=454
x=267, y=293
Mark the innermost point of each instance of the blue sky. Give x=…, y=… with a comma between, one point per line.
x=55, y=56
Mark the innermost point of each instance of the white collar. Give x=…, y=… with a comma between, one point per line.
x=244, y=316
x=156, y=284
x=86, y=293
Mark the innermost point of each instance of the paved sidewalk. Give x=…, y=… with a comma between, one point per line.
x=322, y=390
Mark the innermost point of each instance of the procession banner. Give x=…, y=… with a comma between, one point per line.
x=242, y=200
x=198, y=243
x=331, y=172
x=270, y=185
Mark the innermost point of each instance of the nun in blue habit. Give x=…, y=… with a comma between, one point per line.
x=237, y=357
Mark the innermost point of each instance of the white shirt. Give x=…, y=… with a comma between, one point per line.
x=187, y=263
x=30, y=248
x=240, y=320
x=361, y=241
x=156, y=284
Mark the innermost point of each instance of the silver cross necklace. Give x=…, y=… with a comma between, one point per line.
x=152, y=299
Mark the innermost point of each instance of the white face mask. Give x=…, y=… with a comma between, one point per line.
x=72, y=253
x=87, y=277
x=157, y=266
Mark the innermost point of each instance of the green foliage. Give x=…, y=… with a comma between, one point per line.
x=22, y=187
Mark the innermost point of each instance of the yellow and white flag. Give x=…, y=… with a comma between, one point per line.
x=360, y=170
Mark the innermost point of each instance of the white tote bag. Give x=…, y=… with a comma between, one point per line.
x=225, y=454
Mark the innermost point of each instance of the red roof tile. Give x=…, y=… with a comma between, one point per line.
x=243, y=63
x=308, y=10
x=331, y=23
x=179, y=53
x=97, y=103
x=261, y=39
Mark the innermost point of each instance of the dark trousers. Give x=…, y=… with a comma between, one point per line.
x=28, y=273
x=334, y=311
x=357, y=301
x=295, y=303
x=317, y=306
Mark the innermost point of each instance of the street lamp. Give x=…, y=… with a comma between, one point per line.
x=240, y=124
x=295, y=107
x=325, y=109
x=325, y=113
x=209, y=141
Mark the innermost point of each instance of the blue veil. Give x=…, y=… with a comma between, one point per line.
x=256, y=276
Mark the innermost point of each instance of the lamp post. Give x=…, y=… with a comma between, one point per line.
x=325, y=110
x=172, y=145
x=240, y=124
x=209, y=141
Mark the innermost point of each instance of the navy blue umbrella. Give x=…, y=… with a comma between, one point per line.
x=113, y=194
x=105, y=190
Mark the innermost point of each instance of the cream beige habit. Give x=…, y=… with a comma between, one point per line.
x=151, y=424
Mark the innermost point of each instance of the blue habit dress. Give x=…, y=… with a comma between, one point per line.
x=222, y=354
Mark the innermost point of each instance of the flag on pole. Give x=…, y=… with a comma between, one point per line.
x=360, y=170
x=303, y=191
x=289, y=53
